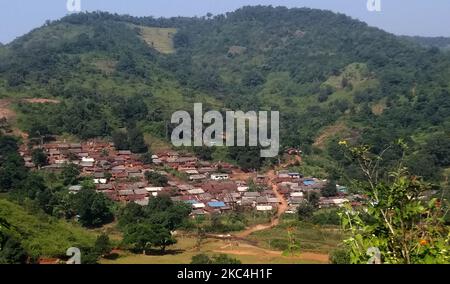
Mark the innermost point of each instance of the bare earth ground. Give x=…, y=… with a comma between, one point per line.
x=6, y=112
x=282, y=206
x=184, y=250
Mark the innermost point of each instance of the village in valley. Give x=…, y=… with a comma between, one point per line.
x=209, y=187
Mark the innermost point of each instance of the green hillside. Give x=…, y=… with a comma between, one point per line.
x=42, y=235
x=316, y=67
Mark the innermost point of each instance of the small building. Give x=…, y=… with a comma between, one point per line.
x=216, y=204
x=296, y=194
x=191, y=172
x=75, y=188
x=100, y=180
x=197, y=177
x=87, y=159
x=252, y=194
x=220, y=176
x=154, y=189
x=295, y=175
x=272, y=200
x=199, y=205
x=102, y=187
x=196, y=191
x=242, y=188
x=264, y=208
x=309, y=182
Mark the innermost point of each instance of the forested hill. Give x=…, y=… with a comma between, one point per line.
x=328, y=74
x=439, y=42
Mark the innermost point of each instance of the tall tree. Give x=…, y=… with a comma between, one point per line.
x=93, y=208
x=39, y=158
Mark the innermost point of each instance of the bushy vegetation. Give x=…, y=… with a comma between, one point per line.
x=407, y=223
x=216, y=259
x=39, y=234
x=151, y=226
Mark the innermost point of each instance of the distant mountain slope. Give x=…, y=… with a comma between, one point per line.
x=439, y=42
x=318, y=68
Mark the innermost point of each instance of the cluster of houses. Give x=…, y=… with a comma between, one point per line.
x=296, y=188
x=208, y=187
x=120, y=175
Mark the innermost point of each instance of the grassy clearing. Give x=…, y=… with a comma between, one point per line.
x=160, y=39
x=355, y=73
x=310, y=238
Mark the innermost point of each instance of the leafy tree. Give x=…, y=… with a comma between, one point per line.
x=438, y=147
x=329, y=189
x=200, y=259
x=89, y=255
x=204, y=153
x=131, y=213
x=248, y=158
x=33, y=186
x=70, y=174
x=133, y=109
x=120, y=140
x=161, y=210
x=140, y=236
x=305, y=211
x=136, y=141
x=146, y=158
x=93, y=208
x=313, y=198
x=423, y=164
x=340, y=256
x=404, y=227
x=102, y=245
x=156, y=178
x=161, y=237
x=252, y=79
x=12, y=166
x=12, y=252
x=39, y=158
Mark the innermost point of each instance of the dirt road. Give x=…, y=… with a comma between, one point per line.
x=5, y=111
x=282, y=207
x=282, y=203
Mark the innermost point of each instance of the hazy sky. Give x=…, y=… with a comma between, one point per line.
x=408, y=17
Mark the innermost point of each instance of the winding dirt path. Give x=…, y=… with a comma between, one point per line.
x=249, y=247
x=282, y=202
x=282, y=207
